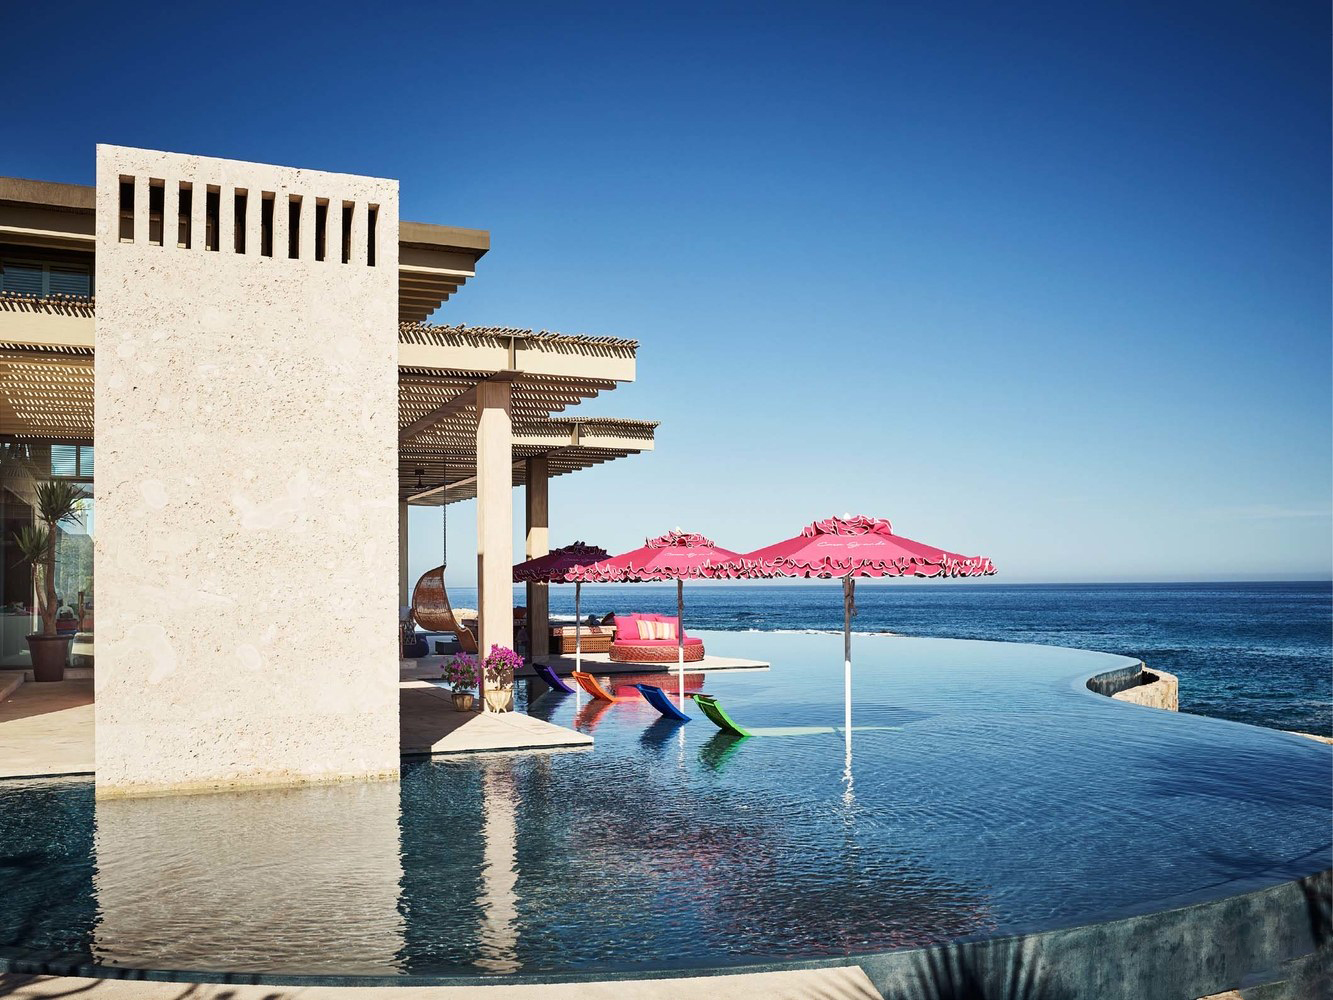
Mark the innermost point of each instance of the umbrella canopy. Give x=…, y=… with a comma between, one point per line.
x=853, y=546
x=677, y=555
x=554, y=567
x=849, y=547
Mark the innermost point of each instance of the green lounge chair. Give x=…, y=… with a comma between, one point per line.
x=711, y=708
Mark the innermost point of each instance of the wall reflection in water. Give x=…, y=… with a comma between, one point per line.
x=497, y=935
x=279, y=880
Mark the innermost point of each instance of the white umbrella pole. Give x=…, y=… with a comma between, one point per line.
x=578, y=629
x=848, y=596
x=680, y=639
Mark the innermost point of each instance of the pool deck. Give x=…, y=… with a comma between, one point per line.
x=47, y=729
x=429, y=725
x=847, y=983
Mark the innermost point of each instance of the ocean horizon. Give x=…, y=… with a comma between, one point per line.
x=1254, y=652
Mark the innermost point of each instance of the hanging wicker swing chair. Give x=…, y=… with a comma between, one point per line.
x=432, y=611
x=430, y=601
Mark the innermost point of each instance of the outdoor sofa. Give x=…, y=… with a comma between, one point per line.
x=651, y=639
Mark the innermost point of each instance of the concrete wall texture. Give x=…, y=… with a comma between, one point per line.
x=246, y=427
x=1158, y=690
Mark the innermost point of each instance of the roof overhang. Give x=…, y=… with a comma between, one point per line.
x=569, y=444
x=433, y=261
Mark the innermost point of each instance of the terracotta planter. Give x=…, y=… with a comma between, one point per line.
x=500, y=699
x=463, y=701
x=50, y=656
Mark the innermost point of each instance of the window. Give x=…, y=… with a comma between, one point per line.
x=22, y=279
x=41, y=278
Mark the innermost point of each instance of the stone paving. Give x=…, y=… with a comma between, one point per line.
x=430, y=725
x=848, y=983
x=47, y=729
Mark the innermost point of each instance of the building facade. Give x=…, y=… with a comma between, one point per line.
x=243, y=348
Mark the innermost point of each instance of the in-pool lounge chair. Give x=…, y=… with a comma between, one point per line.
x=713, y=709
x=551, y=678
x=589, y=683
x=656, y=697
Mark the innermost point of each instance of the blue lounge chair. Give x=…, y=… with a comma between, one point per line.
x=656, y=697
x=551, y=678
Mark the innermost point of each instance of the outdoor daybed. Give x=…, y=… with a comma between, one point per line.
x=651, y=639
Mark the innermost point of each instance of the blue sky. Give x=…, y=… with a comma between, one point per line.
x=1047, y=282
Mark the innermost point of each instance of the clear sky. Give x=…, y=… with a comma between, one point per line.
x=1046, y=282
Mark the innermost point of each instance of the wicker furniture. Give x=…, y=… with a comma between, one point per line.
x=431, y=609
x=655, y=651
x=595, y=639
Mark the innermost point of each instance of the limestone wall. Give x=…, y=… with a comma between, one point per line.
x=1137, y=684
x=246, y=432
x=1159, y=690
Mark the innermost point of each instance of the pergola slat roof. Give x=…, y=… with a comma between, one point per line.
x=47, y=392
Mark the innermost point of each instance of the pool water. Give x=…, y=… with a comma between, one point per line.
x=987, y=792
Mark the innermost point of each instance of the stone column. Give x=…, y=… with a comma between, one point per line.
x=404, y=581
x=227, y=386
x=495, y=518
x=538, y=544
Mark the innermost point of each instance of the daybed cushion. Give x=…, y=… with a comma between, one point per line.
x=656, y=628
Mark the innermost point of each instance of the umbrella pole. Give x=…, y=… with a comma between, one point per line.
x=680, y=639
x=848, y=605
x=578, y=628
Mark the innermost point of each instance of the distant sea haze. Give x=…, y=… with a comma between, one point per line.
x=1260, y=653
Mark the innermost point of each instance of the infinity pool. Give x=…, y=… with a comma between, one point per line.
x=987, y=793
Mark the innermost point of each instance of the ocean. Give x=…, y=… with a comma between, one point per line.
x=1260, y=653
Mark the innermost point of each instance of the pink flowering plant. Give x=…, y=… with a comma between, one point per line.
x=500, y=666
x=460, y=673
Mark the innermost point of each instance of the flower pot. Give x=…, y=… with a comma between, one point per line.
x=500, y=699
x=463, y=701
x=50, y=656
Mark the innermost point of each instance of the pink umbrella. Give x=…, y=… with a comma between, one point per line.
x=678, y=556
x=554, y=567
x=849, y=547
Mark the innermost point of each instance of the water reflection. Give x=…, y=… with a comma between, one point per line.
x=497, y=935
x=658, y=735
x=281, y=880
x=719, y=749
x=970, y=805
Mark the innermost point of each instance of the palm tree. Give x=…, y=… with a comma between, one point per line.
x=57, y=502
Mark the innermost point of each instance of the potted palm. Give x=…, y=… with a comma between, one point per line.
x=56, y=502
x=499, y=672
x=460, y=674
